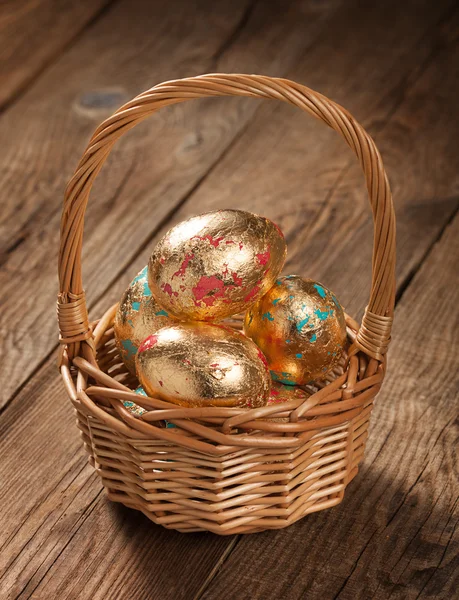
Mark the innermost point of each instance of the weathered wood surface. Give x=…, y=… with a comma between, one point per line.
x=32, y=539
x=34, y=33
x=154, y=169
x=395, y=532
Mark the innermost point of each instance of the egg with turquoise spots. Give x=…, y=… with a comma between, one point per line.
x=139, y=411
x=300, y=327
x=133, y=408
x=138, y=316
x=280, y=394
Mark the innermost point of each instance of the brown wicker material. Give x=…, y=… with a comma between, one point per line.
x=226, y=470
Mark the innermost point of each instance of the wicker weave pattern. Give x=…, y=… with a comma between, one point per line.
x=221, y=469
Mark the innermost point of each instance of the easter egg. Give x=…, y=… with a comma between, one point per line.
x=300, y=327
x=138, y=411
x=133, y=408
x=280, y=394
x=215, y=265
x=138, y=316
x=201, y=364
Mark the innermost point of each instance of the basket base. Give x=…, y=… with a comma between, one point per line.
x=219, y=530
x=244, y=491
x=227, y=471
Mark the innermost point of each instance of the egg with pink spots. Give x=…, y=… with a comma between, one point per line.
x=203, y=364
x=215, y=265
x=280, y=394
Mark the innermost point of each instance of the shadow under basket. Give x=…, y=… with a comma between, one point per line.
x=226, y=470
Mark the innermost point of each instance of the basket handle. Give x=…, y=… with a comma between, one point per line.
x=374, y=334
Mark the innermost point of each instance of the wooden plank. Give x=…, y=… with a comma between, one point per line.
x=34, y=33
x=56, y=505
x=59, y=492
x=45, y=133
x=396, y=533
x=42, y=560
x=315, y=190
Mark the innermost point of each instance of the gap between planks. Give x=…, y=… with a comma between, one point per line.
x=227, y=554
x=218, y=565
x=234, y=35
x=407, y=82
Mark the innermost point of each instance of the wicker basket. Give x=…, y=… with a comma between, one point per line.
x=226, y=470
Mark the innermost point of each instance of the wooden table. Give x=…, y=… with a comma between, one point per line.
x=65, y=66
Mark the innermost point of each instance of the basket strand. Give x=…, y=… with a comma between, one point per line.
x=373, y=336
x=73, y=318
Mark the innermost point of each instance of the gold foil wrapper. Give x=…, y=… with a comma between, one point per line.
x=138, y=411
x=133, y=408
x=216, y=265
x=300, y=327
x=199, y=364
x=280, y=394
x=137, y=317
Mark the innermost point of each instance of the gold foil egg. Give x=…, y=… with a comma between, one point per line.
x=280, y=394
x=200, y=364
x=216, y=265
x=137, y=317
x=133, y=408
x=300, y=327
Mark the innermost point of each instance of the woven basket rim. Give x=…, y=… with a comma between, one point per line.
x=343, y=397
x=319, y=445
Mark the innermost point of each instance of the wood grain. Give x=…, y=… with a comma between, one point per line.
x=34, y=33
x=66, y=492
x=49, y=517
x=150, y=170
x=317, y=195
x=395, y=534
